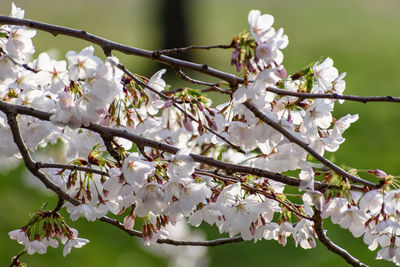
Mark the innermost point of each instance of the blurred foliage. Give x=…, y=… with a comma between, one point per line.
x=362, y=37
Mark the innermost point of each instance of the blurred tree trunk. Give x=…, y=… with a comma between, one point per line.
x=175, y=25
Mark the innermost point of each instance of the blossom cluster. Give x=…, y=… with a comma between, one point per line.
x=165, y=189
x=41, y=232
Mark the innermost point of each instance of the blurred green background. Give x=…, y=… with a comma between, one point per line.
x=362, y=37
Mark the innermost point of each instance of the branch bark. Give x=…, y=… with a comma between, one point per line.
x=30, y=164
x=209, y=243
x=178, y=50
x=42, y=165
x=108, y=46
x=363, y=99
x=319, y=229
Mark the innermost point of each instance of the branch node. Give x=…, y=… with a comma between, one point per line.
x=107, y=50
x=155, y=54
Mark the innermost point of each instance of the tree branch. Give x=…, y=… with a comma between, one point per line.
x=210, y=243
x=330, y=245
x=214, y=86
x=41, y=165
x=305, y=146
x=292, y=181
x=33, y=168
x=109, y=46
x=209, y=89
x=157, y=53
x=363, y=99
x=30, y=164
x=107, y=139
x=15, y=260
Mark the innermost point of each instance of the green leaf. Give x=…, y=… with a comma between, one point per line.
x=133, y=148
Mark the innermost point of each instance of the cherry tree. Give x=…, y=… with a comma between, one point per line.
x=135, y=147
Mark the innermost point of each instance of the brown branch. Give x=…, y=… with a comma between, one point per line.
x=292, y=181
x=209, y=89
x=107, y=139
x=319, y=230
x=363, y=99
x=11, y=111
x=157, y=53
x=59, y=205
x=209, y=243
x=32, y=167
x=30, y=164
x=109, y=46
x=214, y=86
x=15, y=260
x=216, y=89
x=305, y=146
x=202, y=159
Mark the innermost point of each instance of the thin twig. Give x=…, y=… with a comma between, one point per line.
x=15, y=259
x=319, y=230
x=157, y=53
x=209, y=89
x=59, y=205
x=185, y=77
x=41, y=165
x=107, y=139
x=363, y=99
x=209, y=243
x=305, y=146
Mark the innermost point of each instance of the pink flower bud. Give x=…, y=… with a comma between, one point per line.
x=378, y=173
x=200, y=105
x=212, y=113
x=235, y=56
x=200, y=129
x=188, y=124
x=281, y=72
x=213, y=125
x=168, y=103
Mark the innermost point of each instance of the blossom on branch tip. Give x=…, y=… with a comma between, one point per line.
x=260, y=25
